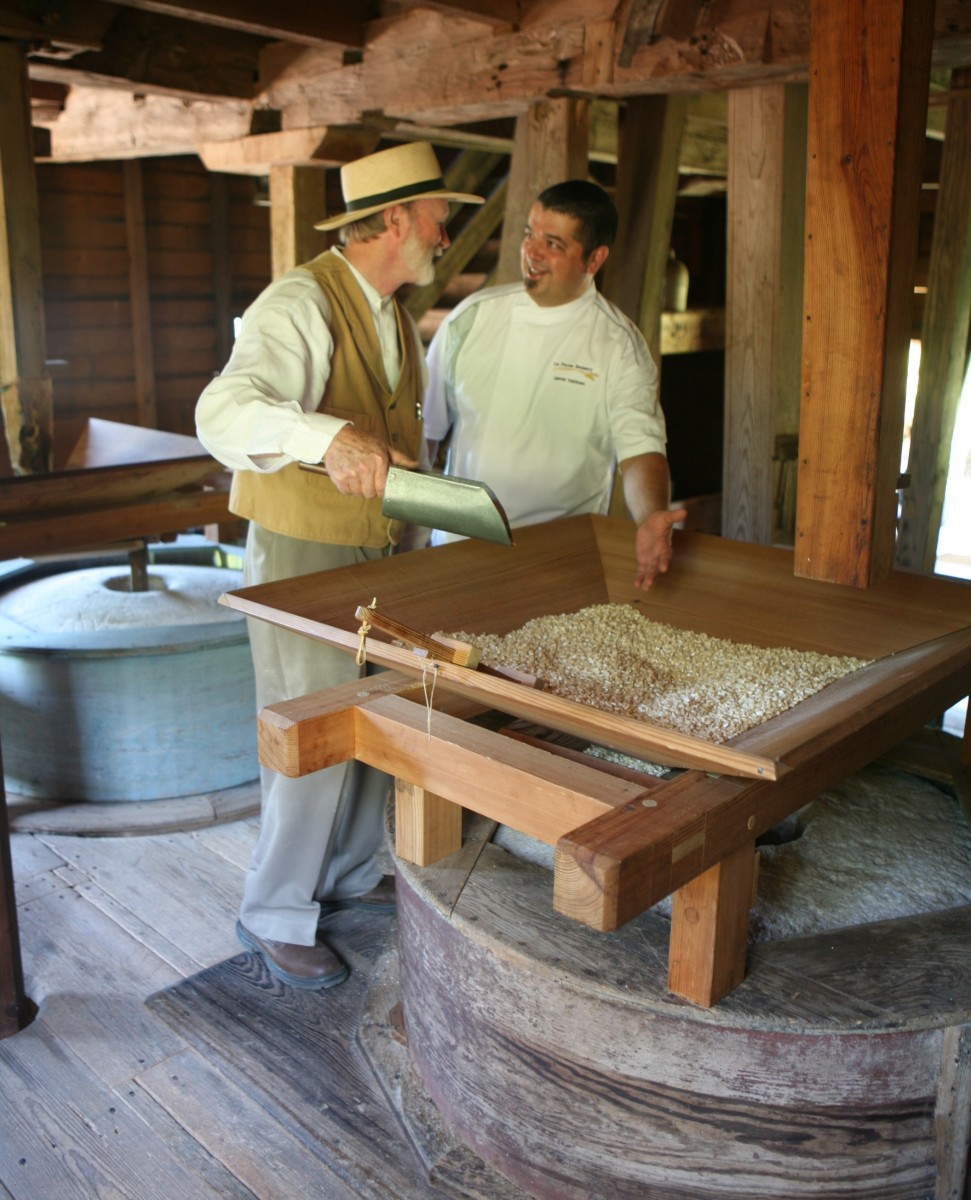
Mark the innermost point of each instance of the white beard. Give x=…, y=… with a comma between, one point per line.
x=420, y=259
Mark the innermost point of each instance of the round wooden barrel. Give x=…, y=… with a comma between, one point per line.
x=841, y=1067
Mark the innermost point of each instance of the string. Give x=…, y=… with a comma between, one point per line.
x=361, y=658
x=429, y=697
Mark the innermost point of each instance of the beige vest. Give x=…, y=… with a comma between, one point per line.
x=304, y=504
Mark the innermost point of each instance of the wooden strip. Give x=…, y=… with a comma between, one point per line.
x=222, y=274
x=138, y=287
x=427, y=827
x=709, y=930
x=952, y=1118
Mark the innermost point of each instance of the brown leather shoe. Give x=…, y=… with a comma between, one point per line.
x=312, y=967
x=380, y=899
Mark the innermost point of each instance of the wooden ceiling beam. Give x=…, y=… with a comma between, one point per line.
x=322, y=23
x=320, y=146
x=63, y=28
x=495, y=12
x=145, y=52
x=433, y=68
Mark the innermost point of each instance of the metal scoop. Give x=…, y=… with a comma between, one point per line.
x=463, y=506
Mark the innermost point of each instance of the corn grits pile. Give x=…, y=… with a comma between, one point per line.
x=613, y=658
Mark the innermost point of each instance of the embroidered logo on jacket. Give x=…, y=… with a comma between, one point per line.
x=577, y=373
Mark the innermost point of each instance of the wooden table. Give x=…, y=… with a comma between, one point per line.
x=114, y=483
x=621, y=845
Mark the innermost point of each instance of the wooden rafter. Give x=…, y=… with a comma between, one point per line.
x=324, y=22
x=150, y=52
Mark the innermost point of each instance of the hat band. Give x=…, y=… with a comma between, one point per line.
x=396, y=194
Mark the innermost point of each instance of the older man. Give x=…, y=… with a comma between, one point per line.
x=327, y=369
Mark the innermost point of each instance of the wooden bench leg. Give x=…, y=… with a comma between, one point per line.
x=709, y=930
x=427, y=827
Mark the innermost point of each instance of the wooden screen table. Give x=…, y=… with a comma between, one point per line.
x=620, y=846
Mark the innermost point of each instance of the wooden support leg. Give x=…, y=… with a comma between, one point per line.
x=709, y=930
x=427, y=827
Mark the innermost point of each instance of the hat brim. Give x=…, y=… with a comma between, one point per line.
x=359, y=214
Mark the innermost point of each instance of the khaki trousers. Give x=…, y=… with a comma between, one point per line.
x=319, y=834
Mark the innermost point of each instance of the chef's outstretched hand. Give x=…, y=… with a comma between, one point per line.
x=357, y=463
x=652, y=546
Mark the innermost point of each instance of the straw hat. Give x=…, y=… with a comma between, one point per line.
x=406, y=172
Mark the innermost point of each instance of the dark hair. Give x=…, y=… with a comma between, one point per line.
x=590, y=206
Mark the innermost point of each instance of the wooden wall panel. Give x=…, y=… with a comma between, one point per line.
x=88, y=305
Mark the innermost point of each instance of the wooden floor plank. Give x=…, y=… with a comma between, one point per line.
x=232, y=840
x=184, y=1145
x=89, y=980
x=268, y=1160
x=170, y=882
x=296, y=1054
x=68, y=1135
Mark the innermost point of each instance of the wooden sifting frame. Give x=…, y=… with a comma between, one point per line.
x=620, y=846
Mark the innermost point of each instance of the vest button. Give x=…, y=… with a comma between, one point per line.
x=394, y=439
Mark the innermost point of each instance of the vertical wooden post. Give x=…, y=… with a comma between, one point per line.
x=25, y=387
x=759, y=305
x=13, y=1002
x=222, y=288
x=944, y=340
x=427, y=827
x=550, y=145
x=647, y=188
x=297, y=200
x=139, y=296
x=709, y=929
x=869, y=71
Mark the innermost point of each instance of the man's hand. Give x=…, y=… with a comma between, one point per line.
x=358, y=463
x=653, y=545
